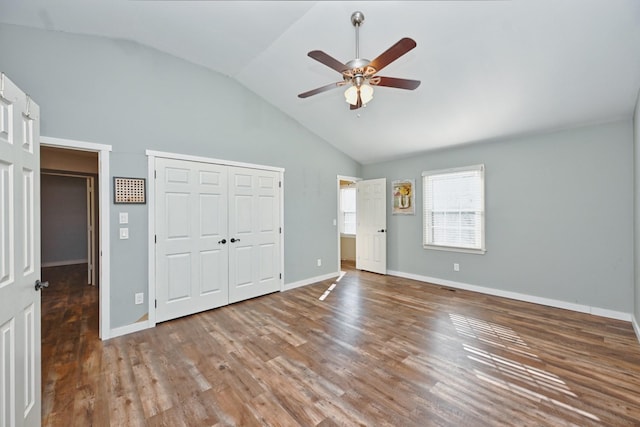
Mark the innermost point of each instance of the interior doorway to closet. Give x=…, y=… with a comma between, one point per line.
x=69, y=218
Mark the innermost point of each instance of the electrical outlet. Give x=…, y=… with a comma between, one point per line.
x=124, y=233
x=139, y=298
x=319, y=262
x=456, y=266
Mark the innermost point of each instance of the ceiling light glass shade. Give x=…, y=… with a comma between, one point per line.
x=351, y=95
x=366, y=93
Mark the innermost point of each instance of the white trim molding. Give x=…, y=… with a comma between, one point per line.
x=636, y=327
x=310, y=280
x=597, y=311
x=129, y=329
x=188, y=157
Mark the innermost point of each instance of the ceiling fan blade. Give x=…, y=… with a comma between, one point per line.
x=320, y=89
x=394, y=52
x=327, y=60
x=395, y=82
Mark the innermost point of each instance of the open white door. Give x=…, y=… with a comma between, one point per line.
x=20, y=369
x=371, y=229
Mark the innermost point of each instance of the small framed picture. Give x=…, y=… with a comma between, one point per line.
x=404, y=198
x=129, y=190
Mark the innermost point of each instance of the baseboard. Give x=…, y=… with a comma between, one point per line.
x=305, y=282
x=597, y=311
x=636, y=327
x=61, y=263
x=129, y=329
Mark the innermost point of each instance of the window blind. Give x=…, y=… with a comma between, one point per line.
x=348, y=210
x=454, y=208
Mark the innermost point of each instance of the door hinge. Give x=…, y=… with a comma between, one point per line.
x=156, y=301
x=279, y=184
x=280, y=230
x=155, y=174
x=155, y=238
x=281, y=276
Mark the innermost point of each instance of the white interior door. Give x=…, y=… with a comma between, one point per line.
x=254, y=231
x=371, y=228
x=20, y=369
x=191, y=240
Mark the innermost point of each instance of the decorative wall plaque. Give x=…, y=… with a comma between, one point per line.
x=129, y=190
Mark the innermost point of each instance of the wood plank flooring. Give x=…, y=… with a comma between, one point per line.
x=377, y=351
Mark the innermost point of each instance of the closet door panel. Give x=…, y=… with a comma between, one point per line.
x=254, y=251
x=191, y=223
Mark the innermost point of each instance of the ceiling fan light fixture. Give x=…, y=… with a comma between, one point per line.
x=351, y=94
x=366, y=93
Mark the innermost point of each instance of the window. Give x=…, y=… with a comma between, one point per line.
x=348, y=210
x=454, y=209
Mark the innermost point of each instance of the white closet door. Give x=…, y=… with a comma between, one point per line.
x=192, y=243
x=20, y=353
x=254, y=233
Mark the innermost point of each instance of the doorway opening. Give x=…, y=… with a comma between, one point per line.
x=347, y=209
x=75, y=226
x=69, y=217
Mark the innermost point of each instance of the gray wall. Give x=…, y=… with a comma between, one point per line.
x=559, y=221
x=63, y=219
x=135, y=98
x=636, y=170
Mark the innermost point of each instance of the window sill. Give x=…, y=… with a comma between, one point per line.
x=455, y=249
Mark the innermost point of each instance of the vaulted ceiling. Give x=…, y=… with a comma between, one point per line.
x=489, y=69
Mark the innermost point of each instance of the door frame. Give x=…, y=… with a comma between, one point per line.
x=103, y=151
x=151, y=199
x=342, y=178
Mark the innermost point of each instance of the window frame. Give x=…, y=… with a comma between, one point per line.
x=427, y=240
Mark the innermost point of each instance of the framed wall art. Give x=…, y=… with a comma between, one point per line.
x=404, y=198
x=129, y=190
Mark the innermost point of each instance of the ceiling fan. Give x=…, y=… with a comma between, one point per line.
x=361, y=74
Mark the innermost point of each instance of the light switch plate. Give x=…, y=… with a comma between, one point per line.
x=124, y=217
x=124, y=233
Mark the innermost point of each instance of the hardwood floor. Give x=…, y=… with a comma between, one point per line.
x=377, y=351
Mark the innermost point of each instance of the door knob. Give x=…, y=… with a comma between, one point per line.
x=233, y=240
x=381, y=230
x=223, y=241
x=40, y=285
